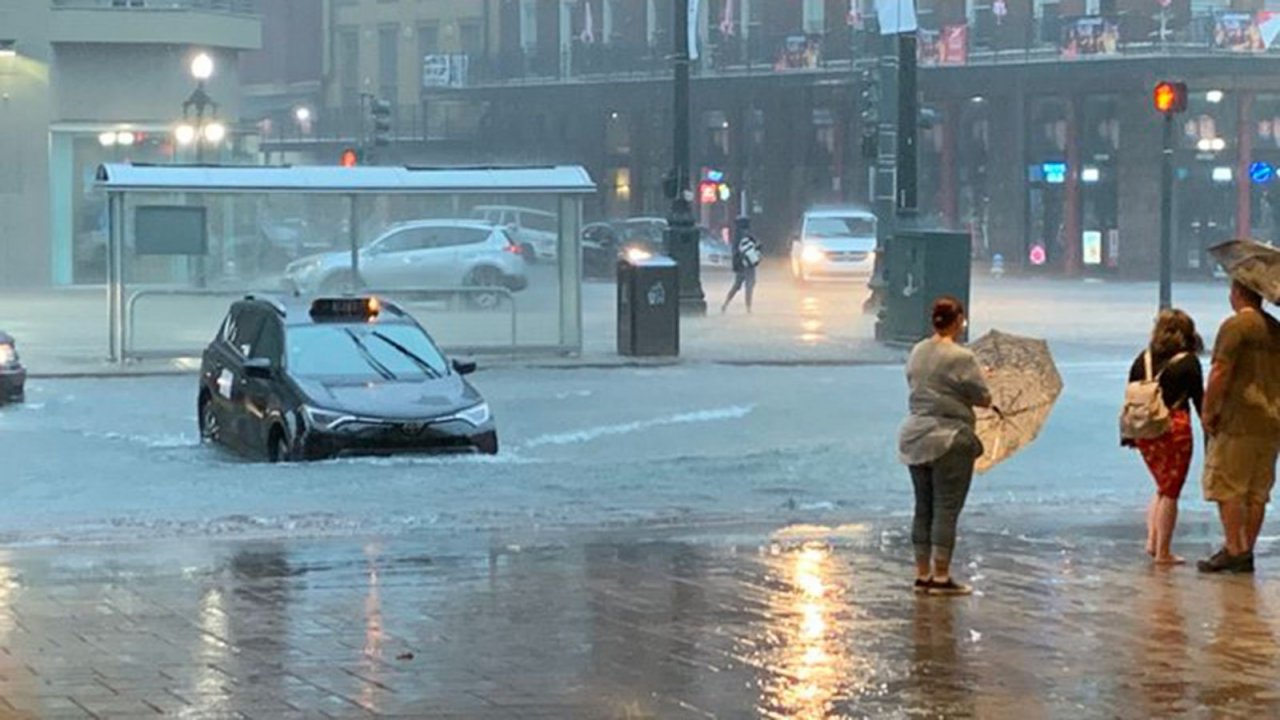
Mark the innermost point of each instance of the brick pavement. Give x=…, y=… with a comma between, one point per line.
x=725, y=622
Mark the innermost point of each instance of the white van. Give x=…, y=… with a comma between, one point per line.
x=834, y=243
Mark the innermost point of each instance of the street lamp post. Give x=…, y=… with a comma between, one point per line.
x=213, y=132
x=682, y=235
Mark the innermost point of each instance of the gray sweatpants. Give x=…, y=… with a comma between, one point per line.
x=941, y=488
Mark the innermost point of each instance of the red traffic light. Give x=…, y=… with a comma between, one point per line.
x=1170, y=97
x=350, y=158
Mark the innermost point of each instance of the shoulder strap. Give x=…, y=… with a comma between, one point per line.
x=1167, y=365
x=1146, y=361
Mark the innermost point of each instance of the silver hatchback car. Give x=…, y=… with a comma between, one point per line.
x=421, y=255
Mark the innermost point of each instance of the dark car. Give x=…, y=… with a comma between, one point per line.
x=294, y=380
x=13, y=377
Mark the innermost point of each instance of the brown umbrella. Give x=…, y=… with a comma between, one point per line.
x=1024, y=384
x=1253, y=264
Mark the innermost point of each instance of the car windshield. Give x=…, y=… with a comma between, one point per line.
x=389, y=352
x=831, y=227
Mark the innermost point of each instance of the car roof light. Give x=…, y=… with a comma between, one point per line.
x=348, y=309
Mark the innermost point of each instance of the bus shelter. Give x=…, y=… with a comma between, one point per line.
x=488, y=259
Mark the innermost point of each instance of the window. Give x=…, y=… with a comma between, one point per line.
x=388, y=63
x=241, y=329
x=457, y=236
x=349, y=65
x=428, y=40
x=406, y=240
x=270, y=342
x=814, y=17
x=836, y=227
x=470, y=38
x=541, y=222
x=364, y=351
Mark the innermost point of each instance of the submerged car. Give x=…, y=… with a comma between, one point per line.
x=424, y=254
x=296, y=380
x=13, y=377
x=836, y=243
x=643, y=237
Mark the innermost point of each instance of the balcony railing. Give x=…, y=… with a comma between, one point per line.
x=350, y=125
x=229, y=7
x=986, y=42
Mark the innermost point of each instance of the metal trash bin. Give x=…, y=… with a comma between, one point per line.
x=649, y=307
x=922, y=266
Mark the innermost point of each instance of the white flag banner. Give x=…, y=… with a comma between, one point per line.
x=896, y=16
x=694, y=14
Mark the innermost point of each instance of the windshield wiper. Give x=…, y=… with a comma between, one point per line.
x=383, y=370
x=423, y=365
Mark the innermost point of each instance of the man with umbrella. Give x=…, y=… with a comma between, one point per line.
x=1242, y=419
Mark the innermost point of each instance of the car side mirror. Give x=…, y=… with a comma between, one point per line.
x=464, y=368
x=259, y=368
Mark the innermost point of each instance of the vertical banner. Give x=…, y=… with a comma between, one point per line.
x=694, y=7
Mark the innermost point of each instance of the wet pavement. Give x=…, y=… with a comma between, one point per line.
x=719, y=621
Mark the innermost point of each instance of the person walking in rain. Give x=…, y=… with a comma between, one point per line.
x=1242, y=419
x=1171, y=362
x=938, y=442
x=746, y=257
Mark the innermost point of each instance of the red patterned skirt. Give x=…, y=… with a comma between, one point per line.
x=1168, y=457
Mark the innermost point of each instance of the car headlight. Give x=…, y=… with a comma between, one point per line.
x=7, y=354
x=322, y=419
x=475, y=415
x=812, y=254
x=636, y=254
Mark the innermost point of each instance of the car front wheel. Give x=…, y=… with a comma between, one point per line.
x=487, y=444
x=209, y=428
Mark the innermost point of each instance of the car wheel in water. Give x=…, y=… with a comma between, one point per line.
x=529, y=253
x=485, y=277
x=208, y=422
x=278, y=447
x=487, y=444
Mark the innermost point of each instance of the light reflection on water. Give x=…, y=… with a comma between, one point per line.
x=809, y=667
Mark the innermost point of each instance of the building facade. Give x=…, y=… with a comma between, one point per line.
x=1040, y=138
x=88, y=81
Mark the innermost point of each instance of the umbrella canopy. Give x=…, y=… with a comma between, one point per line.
x=1252, y=264
x=1024, y=384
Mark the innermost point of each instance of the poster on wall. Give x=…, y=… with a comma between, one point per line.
x=1090, y=36
x=799, y=52
x=948, y=46
x=1092, y=241
x=1246, y=32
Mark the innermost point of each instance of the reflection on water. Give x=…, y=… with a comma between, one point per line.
x=371, y=659
x=809, y=665
x=812, y=325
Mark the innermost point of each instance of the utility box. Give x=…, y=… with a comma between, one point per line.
x=649, y=307
x=922, y=266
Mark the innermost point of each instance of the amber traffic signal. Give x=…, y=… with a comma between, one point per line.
x=1170, y=97
x=350, y=158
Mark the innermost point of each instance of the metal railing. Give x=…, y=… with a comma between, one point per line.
x=128, y=352
x=230, y=7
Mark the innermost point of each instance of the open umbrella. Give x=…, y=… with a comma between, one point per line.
x=1253, y=264
x=1024, y=384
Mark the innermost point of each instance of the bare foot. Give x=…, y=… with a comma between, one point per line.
x=1170, y=560
x=1151, y=551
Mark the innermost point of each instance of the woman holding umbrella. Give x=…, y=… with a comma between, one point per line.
x=938, y=442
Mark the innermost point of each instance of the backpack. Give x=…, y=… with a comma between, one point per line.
x=750, y=251
x=1144, y=415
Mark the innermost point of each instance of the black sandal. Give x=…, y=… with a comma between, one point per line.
x=922, y=587
x=950, y=587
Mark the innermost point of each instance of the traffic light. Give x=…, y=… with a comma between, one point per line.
x=350, y=158
x=380, y=110
x=869, y=102
x=1170, y=97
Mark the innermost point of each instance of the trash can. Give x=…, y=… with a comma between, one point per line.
x=648, y=308
x=921, y=266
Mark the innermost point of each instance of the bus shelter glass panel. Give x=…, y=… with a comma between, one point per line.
x=480, y=272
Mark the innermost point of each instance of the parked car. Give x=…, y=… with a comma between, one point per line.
x=834, y=243
x=538, y=230
x=296, y=380
x=13, y=377
x=421, y=255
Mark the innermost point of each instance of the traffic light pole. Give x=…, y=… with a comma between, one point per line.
x=885, y=179
x=1166, y=215
x=682, y=234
